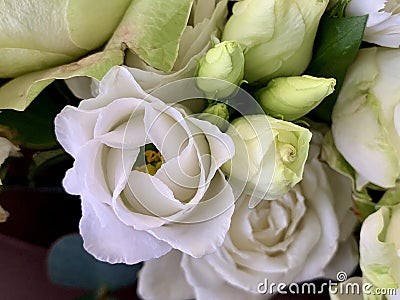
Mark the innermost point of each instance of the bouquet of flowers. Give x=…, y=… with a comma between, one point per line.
x=221, y=149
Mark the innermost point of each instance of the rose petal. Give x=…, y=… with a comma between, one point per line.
x=220, y=144
x=117, y=113
x=217, y=200
x=108, y=239
x=198, y=239
x=131, y=216
x=117, y=83
x=209, y=285
x=167, y=130
x=345, y=259
x=87, y=174
x=74, y=128
x=153, y=194
x=163, y=278
x=119, y=164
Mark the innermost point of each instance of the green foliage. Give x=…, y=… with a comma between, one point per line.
x=336, y=45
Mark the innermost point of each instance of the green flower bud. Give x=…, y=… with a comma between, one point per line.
x=216, y=114
x=270, y=155
x=72, y=28
x=278, y=35
x=293, y=97
x=225, y=61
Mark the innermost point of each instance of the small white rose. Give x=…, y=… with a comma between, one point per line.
x=137, y=208
x=305, y=234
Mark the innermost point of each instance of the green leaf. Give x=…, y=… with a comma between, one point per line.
x=153, y=29
x=18, y=93
x=70, y=265
x=33, y=128
x=336, y=45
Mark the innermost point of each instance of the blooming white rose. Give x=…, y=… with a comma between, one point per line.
x=206, y=22
x=366, y=117
x=383, y=24
x=305, y=234
x=136, y=209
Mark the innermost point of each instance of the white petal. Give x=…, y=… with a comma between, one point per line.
x=163, y=278
x=210, y=285
x=316, y=190
x=167, y=129
x=221, y=145
x=217, y=200
x=117, y=83
x=130, y=216
x=198, y=39
x=152, y=79
x=181, y=174
x=118, y=112
x=87, y=175
x=108, y=239
x=361, y=7
x=198, y=239
x=346, y=259
x=71, y=182
x=382, y=167
x=119, y=165
x=153, y=194
x=74, y=128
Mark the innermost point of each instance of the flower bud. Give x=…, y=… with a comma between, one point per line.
x=294, y=97
x=270, y=155
x=278, y=35
x=216, y=114
x=72, y=28
x=225, y=61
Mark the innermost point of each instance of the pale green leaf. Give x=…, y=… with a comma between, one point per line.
x=153, y=29
x=19, y=93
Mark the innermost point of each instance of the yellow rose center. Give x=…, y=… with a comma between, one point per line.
x=154, y=160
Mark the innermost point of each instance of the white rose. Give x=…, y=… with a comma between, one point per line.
x=303, y=235
x=383, y=24
x=206, y=22
x=366, y=117
x=130, y=215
